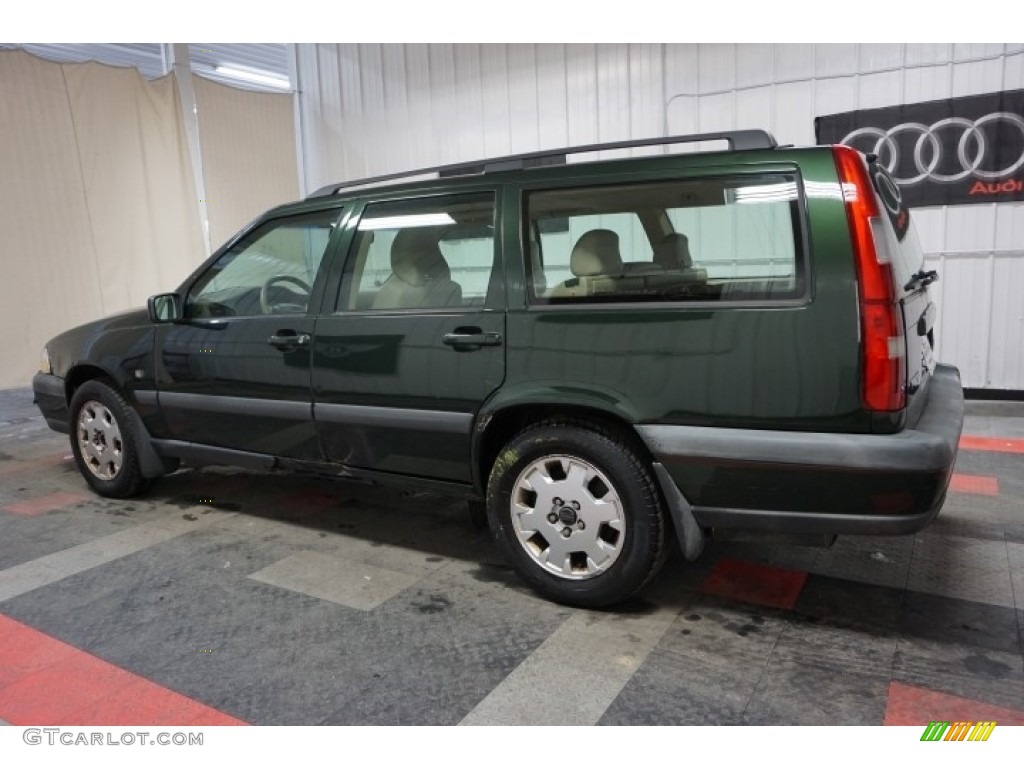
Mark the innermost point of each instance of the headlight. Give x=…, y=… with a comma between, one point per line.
x=44, y=362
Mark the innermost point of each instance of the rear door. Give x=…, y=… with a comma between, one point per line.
x=413, y=343
x=912, y=279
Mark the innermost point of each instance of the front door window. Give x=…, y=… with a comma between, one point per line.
x=270, y=271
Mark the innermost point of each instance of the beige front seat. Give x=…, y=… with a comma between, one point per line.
x=420, y=277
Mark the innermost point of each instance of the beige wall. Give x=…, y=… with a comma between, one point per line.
x=96, y=202
x=98, y=207
x=247, y=140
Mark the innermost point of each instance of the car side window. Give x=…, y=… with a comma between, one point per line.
x=714, y=239
x=270, y=271
x=421, y=254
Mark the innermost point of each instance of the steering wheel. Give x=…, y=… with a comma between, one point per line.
x=270, y=308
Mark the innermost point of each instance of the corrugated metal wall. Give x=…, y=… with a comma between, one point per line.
x=369, y=109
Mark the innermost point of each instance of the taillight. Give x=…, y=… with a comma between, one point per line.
x=882, y=344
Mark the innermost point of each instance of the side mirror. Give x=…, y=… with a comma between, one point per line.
x=165, y=308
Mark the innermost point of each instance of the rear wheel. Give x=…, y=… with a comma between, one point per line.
x=576, y=511
x=103, y=441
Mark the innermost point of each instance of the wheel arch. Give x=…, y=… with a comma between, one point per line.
x=80, y=373
x=495, y=427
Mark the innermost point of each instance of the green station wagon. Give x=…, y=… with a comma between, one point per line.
x=602, y=356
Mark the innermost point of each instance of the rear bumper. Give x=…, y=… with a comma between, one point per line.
x=814, y=482
x=49, y=396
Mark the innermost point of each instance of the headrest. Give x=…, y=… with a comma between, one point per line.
x=416, y=258
x=673, y=252
x=596, y=253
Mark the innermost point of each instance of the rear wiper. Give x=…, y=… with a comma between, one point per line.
x=921, y=279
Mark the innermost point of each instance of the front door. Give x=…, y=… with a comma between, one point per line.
x=235, y=373
x=415, y=342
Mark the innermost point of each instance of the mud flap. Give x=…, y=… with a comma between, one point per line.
x=151, y=464
x=689, y=533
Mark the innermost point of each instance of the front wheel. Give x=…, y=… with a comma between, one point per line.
x=103, y=441
x=576, y=511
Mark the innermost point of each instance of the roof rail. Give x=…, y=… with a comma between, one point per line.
x=737, y=140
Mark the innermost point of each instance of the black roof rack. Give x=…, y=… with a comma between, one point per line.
x=746, y=139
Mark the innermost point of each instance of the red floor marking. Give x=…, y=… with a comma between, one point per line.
x=1001, y=444
x=22, y=653
x=755, y=583
x=42, y=462
x=46, y=682
x=910, y=705
x=983, y=484
x=44, y=504
x=135, y=704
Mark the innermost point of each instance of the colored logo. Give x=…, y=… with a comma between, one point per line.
x=958, y=731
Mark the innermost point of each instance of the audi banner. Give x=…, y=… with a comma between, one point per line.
x=964, y=150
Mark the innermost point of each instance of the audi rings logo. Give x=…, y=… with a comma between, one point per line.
x=988, y=148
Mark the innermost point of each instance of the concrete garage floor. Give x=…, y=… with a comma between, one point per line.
x=225, y=597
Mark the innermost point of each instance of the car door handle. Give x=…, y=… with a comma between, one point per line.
x=288, y=340
x=472, y=338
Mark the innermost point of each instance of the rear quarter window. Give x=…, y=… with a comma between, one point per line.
x=715, y=239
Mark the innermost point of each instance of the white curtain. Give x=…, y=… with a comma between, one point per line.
x=98, y=204
x=247, y=140
x=97, y=201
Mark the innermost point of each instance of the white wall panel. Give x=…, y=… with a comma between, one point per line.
x=931, y=228
x=1006, y=344
x=831, y=60
x=682, y=73
x=1013, y=73
x=754, y=106
x=522, y=94
x=681, y=115
x=977, y=77
x=371, y=109
x=836, y=94
x=876, y=56
x=918, y=54
x=755, y=64
x=967, y=296
x=968, y=51
x=794, y=62
x=1010, y=230
x=552, y=97
x=717, y=67
x=927, y=83
x=794, y=112
x=880, y=89
x=612, y=94
x=646, y=91
x=717, y=113
x=970, y=228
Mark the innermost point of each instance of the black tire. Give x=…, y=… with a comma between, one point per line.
x=639, y=538
x=105, y=406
